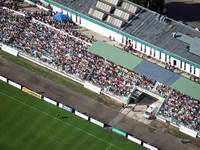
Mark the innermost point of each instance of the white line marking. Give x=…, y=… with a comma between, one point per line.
x=45, y=113
x=108, y=147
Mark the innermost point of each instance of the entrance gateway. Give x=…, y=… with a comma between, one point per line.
x=139, y=93
x=144, y=104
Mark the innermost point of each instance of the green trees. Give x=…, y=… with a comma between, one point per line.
x=155, y=5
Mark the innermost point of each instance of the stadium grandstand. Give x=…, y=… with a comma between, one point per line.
x=116, y=72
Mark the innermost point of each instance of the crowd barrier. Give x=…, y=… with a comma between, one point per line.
x=14, y=84
x=146, y=145
x=9, y=50
x=181, y=128
x=120, y=132
x=81, y=115
x=92, y=87
x=77, y=113
x=123, y=100
x=188, y=131
x=67, y=108
x=97, y=122
x=26, y=90
x=50, y=101
x=133, y=139
x=3, y=79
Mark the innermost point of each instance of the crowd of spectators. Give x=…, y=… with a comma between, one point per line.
x=163, y=90
x=9, y=4
x=71, y=56
x=10, y=26
x=182, y=110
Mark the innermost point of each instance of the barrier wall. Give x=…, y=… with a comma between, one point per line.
x=65, y=75
x=92, y=87
x=67, y=108
x=97, y=122
x=30, y=2
x=122, y=133
x=149, y=146
x=3, y=79
x=133, y=139
x=9, y=50
x=26, y=90
x=160, y=118
x=14, y=84
x=188, y=131
x=49, y=100
x=45, y=66
x=81, y=115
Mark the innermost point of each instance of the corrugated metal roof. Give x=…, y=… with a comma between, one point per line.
x=149, y=29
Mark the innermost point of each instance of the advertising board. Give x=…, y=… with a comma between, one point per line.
x=131, y=138
x=26, y=90
x=81, y=115
x=97, y=122
x=3, y=79
x=49, y=100
x=67, y=108
x=14, y=84
x=149, y=146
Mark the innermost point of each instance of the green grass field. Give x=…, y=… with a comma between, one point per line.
x=27, y=123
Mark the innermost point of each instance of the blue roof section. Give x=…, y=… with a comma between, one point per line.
x=60, y=16
x=142, y=29
x=156, y=73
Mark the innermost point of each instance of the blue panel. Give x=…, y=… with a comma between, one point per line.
x=155, y=72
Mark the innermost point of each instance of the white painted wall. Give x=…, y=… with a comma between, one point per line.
x=157, y=54
x=187, y=68
x=138, y=46
x=148, y=50
x=143, y=48
x=162, y=57
x=101, y=30
x=134, y=44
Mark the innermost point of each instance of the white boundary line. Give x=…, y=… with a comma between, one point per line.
x=47, y=114
x=108, y=147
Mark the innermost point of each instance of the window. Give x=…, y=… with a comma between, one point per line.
x=150, y=52
x=76, y=18
x=165, y=58
x=194, y=70
x=190, y=69
x=145, y=49
x=159, y=55
x=174, y=63
x=154, y=54
x=184, y=66
x=181, y=64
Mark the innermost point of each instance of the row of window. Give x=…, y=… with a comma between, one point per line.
x=168, y=59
